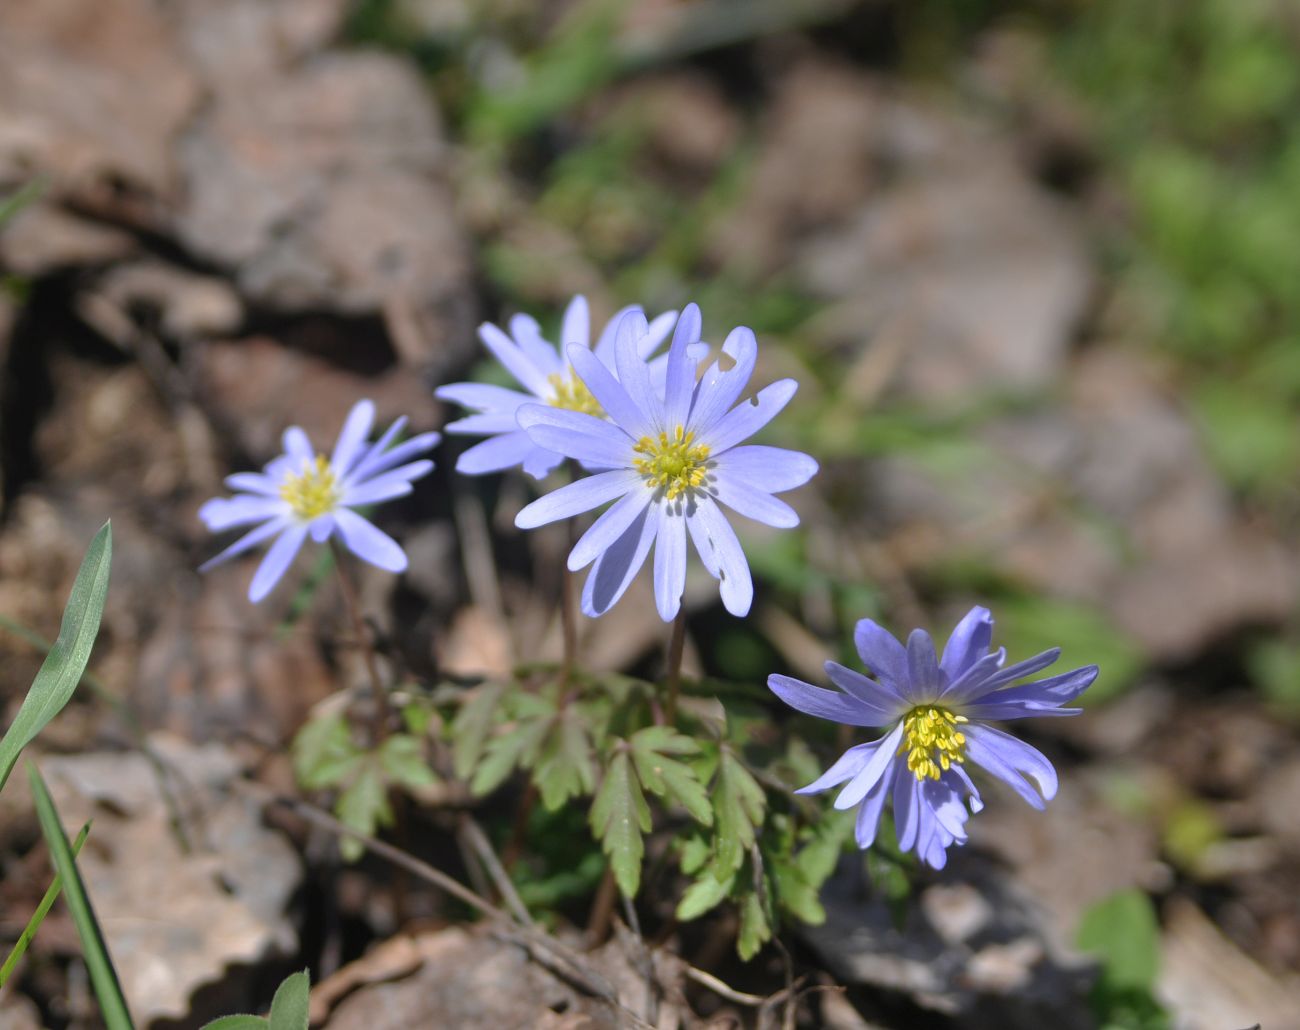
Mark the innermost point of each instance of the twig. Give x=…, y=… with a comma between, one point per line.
x=721, y=989
x=482, y=847
x=643, y=959
x=602, y=908
x=365, y=641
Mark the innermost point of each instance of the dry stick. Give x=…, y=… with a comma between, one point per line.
x=643, y=960
x=364, y=641
x=676, y=644
x=722, y=989
x=482, y=847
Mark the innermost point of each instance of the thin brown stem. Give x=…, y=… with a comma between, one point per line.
x=676, y=645
x=364, y=641
x=602, y=909
x=569, y=600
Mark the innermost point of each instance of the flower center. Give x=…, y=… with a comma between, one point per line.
x=571, y=394
x=672, y=462
x=932, y=740
x=314, y=492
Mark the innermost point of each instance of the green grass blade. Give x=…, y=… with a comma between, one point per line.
x=18, y=200
x=103, y=977
x=38, y=917
x=61, y=671
x=290, y=1005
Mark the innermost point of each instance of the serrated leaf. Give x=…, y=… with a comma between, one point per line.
x=61, y=671
x=518, y=746
x=290, y=1005
x=738, y=807
x=364, y=808
x=403, y=761
x=755, y=930
x=472, y=726
x=817, y=859
x=667, y=777
x=324, y=754
x=565, y=768
x=703, y=895
x=619, y=816
x=796, y=895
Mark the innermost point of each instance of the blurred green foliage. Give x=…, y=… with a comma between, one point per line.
x=1123, y=933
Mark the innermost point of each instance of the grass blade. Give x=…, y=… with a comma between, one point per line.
x=61, y=671
x=18, y=200
x=112, y=1005
x=38, y=917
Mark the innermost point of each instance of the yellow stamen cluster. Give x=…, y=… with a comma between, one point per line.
x=673, y=462
x=314, y=492
x=571, y=394
x=931, y=740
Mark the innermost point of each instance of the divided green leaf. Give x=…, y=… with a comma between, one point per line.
x=662, y=774
x=619, y=816
x=738, y=807
x=472, y=726
x=403, y=761
x=364, y=807
x=703, y=895
x=324, y=753
x=565, y=767
x=517, y=746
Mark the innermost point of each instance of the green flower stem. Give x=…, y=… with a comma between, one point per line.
x=676, y=644
x=365, y=642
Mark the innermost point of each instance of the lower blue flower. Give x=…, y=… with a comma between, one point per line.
x=936, y=710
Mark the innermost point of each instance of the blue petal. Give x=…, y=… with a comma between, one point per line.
x=876, y=769
x=540, y=463
x=483, y=396
x=825, y=704
x=907, y=809
x=377, y=460
x=922, y=665
x=770, y=469
x=575, y=435
x=247, y=542
x=1012, y=761
x=847, y=766
x=867, y=692
x=352, y=437
x=527, y=335
x=222, y=513
x=609, y=528
x=514, y=360
x=396, y=483
x=719, y=389
x=754, y=504
x=610, y=393
x=577, y=497
x=618, y=565
x=867, y=823
x=576, y=327
x=321, y=527
x=298, y=448
x=498, y=453
x=1042, y=697
x=484, y=423
x=722, y=554
x=633, y=373
x=604, y=346
x=971, y=683
x=680, y=382
x=368, y=542
x=969, y=642
x=278, y=558
x=748, y=417
x=670, y=561
x=656, y=332
x=883, y=655
x=254, y=483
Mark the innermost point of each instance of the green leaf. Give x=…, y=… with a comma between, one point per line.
x=403, y=761
x=517, y=746
x=472, y=725
x=796, y=895
x=666, y=776
x=19, y=199
x=290, y=1005
x=619, y=815
x=38, y=917
x=704, y=894
x=324, y=754
x=738, y=807
x=240, y=1022
x=108, y=990
x=1122, y=931
x=755, y=930
x=364, y=808
x=564, y=767
x=61, y=671
x=695, y=853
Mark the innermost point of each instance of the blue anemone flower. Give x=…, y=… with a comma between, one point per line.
x=544, y=370
x=936, y=709
x=301, y=493
x=668, y=458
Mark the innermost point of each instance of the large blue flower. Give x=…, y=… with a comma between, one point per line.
x=669, y=460
x=544, y=371
x=936, y=709
x=301, y=493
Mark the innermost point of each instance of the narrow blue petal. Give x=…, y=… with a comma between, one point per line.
x=656, y=332
x=1012, y=761
x=883, y=655
x=633, y=373
x=722, y=554
x=876, y=769
x=670, y=561
x=604, y=346
x=868, y=693
x=352, y=437
x=610, y=393
x=1042, y=697
x=483, y=396
x=609, y=528
x=748, y=417
x=617, y=566
x=396, y=483
x=907, y=809
x=825, y=704
x=972, y=682
x=222, y=513
x=770, y=469
x=484, y=423
x=514, y=360
x=969, y=642
x=540, y=463
x=377, y=461
x=368, y=542
x=497, y=454
x=298, y=448
x=719, y=389
x=847, y=766
x=254, y=483
x=575, y=435
x=754, y=504
x=321, y=527
x=278, y=558
x=576, y=327
x=680, y=382
x=867, y=823
x=527, y=335
x=246, y=542
x=922, y=665
x=577, y=497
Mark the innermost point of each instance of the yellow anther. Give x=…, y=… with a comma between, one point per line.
x=674, y=462
x=571, y=394
x=313, y=492
x=932, y=741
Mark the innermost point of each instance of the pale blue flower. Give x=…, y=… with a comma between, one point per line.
x=301, y=493
x=669, y=459
x=544, y=370
x=936, y=709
